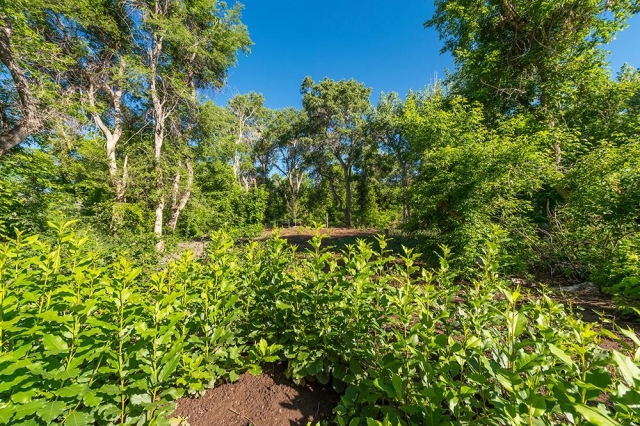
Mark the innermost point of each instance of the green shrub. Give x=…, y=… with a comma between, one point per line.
x=87, y=339
x=601, y=220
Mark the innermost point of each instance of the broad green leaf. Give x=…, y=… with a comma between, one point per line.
x=6, y=413
x=51, y=411
x=110, y=389
x=629, y=371
x=630, y=334
x=538, y=404
x=521, y=324
x=282, y=305
x=141, y=399
x=599, y=379
x=561, y=355
x=473, y=342
x=263, y=345
x=397, y=383
x=53, y=316
x=13, y=383
x=505, y=382
x=24, y=396
x=355, y=421
x=79, y=419
x=527, y=360
x=73, y=390
x=595, y=416
x=167, y=369
x=54, y=344
x=90, y=399
x=28, y=409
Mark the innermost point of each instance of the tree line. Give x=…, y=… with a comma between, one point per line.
x=530, y=139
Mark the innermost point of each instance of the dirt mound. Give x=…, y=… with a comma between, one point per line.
x=265, y=400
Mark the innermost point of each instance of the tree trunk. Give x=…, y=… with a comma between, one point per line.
x=157, y=226
x=30, y=122
x=120, y=197
x=178, y=206
x=118, y=182
x=347, y=197
x=236, y=165
x=405, y=196
x=159, y=115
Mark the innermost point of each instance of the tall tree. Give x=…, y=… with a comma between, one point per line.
x=31, y=67
x=511, y=53
x=388, y=128
x=100, y=37
x=186, y=46
x=250, y=114
x=520, y=54
x=288, y=135
x=337, y=112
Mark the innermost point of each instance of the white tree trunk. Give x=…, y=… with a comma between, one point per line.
x=159, y=115
x=178, y=206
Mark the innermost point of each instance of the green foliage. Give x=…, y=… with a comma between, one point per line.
x=221, y=204
x=32, y=192
x=85, y=340
x=602, y=216
x=512, y=54
x=624, y=272
x=337, y=112
x=474, y=176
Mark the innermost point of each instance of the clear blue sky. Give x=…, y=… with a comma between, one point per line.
x=381, y=43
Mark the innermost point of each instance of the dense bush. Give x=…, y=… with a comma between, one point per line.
x=219, y=203
x=474, y=176
x=602, y=217
x=32, y=192
x=84, y=340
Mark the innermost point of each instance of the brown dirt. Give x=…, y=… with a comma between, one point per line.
x=269, y=399
x=300, y=236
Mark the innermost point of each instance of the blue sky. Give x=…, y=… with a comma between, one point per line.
x=381, y=43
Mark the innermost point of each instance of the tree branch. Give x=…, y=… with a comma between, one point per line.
x=30, y=122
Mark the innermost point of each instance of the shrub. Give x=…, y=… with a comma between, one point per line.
x=87, y=340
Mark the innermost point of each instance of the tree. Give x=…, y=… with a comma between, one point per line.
x=99, y=36
x=287, y=133
x=186, y=46
x=250, y=114
x=388, y=128
x=518, y=53
x=474, y=175
x=337, y=114
x=31, y=67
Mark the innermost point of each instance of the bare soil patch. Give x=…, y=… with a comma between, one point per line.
x=300, y=236
x=269, y=399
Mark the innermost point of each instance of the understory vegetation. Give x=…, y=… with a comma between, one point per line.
x=522, y=166
x=86, y=340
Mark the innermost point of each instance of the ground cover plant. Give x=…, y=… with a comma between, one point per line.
x=84, y=341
